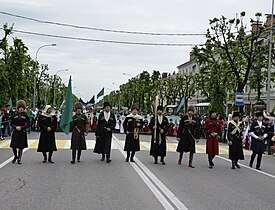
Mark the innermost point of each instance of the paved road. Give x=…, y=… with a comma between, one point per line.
x=93, y=184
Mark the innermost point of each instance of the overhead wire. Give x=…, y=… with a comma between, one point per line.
x=107, y=41
x=100, y=29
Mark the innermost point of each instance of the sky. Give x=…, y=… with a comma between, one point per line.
x=94, y=65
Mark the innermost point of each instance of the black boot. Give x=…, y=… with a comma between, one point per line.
x=108, y=160
x=15, y=155
x=237, y=165
x=103, y=157
x=45, y=157
x=156, y=160
x=162, y=161
x=233, y=164
x=14, y=159
x=78, y=156
x=191, y=160
x=180, y=158
x=73, y=156
x=50, y=157
x=132, y=157
x=210, y=160
x=128, y=156
x=252, y=159
x=259, y=159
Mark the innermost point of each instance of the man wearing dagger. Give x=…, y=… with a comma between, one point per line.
x=159, y=127
x=79, y=131
x=188, y=135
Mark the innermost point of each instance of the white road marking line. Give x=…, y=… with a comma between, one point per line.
x=151, y=186
x=155, y=180
x=253, y=169
x=10, y=159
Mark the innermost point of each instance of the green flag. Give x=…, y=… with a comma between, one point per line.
x=10, y=103
x=101, y=93
x=66, y=117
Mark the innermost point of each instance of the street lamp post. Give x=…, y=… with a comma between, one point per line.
x=35, y=69
x=133, y=92
x=54, y=89
x=269, y=59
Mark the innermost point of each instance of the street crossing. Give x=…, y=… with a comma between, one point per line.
x=144, y=146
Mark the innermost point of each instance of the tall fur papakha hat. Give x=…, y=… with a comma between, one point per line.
x=20, y=104
x=135, y=106
x=259, y=114
x=236, y=114
x=191, y=108
x=160, y=107
x=106, y=103
x=77, y=106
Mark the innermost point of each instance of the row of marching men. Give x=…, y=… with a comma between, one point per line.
x=188, y=135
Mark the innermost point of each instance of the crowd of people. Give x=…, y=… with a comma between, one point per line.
x=238, y=131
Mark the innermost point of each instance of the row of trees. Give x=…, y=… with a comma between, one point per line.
x=144, y=87
x=17, y=73
x=231, y=58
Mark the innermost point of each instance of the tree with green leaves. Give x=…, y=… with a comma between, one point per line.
x=234, y=53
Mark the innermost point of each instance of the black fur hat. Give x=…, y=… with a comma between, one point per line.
x=160, y=107
x=77, y=106
x=236, y=114
x=211, y=112
x=20, y=104
x=191, y=108
x=135, y=106
x=259, y=114
x=106, y=104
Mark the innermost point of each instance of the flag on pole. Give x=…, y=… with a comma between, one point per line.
x=66, y=117
x=10, y=103
x=101, y=93
x=181, y=104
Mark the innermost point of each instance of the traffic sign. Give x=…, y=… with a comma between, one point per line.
x=239, y=99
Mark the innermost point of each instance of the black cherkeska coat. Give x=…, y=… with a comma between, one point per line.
x=19, y=138
x=79, y=128
x=236, y=149
x=158, y=147
x=130, y=124
x=188, y=131
x=47, y=138
x=258, y=146
x=104, y=137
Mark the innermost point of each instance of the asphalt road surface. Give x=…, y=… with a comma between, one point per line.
x=93, y=184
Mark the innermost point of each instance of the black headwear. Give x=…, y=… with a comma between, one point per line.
x=160, y=107
x=191, y=108
x=135, y=106
x=259, y=114
x=211, y=112
x=106, y=104
x=236, y=114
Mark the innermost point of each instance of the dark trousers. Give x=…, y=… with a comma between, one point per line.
x=108, y=155
x=191, y=155
x=17, y=155
x=74, y=154
x=132, y=155
x=50, y=155
x=210, y=159
x=4, y=133
x=259, y=159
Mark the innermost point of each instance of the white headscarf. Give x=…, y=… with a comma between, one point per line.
x=45, y=113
